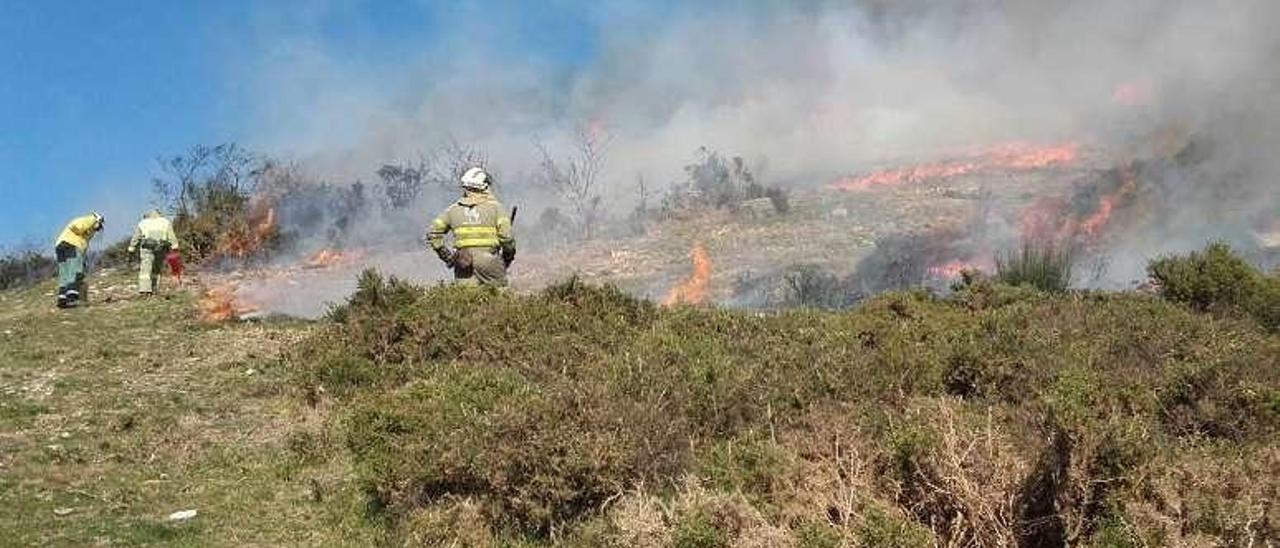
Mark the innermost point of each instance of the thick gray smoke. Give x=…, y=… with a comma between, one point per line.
x=808, y=91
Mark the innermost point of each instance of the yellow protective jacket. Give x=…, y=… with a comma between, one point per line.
x=78, y=232
x=476, y=220
x=156, y=228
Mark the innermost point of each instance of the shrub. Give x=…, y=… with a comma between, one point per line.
x=547, y=413
x=903, y=261
x=114, y=256
x=780, y=199
x=1217, y=279
x=25, y=267
x=880, y=528
x=696, y=530
x=809, y=286
x=816, y=536
x=747, y=464
x=1041, y=266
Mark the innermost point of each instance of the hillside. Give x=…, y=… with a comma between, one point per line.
x=119, y=414
x=577, y=415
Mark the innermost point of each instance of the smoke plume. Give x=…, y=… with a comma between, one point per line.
x=808, y=92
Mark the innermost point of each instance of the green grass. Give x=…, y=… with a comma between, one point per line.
x=579, y=416
x=1038, y=265
x=120, y=413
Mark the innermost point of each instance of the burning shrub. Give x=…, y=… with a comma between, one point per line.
x=1217, y=279
x=210, y=191
x=905, y=261
x=694, y=289
x=1039, y=265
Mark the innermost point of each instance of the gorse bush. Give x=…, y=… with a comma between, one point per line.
x=587, y=417
x=1218, y=280
x=1039, y=265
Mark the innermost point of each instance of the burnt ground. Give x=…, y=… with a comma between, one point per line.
x=830, y=229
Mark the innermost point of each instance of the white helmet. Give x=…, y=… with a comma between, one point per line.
x=476, y=179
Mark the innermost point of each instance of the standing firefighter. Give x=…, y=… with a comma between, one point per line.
x=70, y=249
x=152, y=239
x=483, y=246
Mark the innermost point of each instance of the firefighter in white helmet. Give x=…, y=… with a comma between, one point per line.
x=483, y=246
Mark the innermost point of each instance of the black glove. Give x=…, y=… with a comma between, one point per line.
x=508, y=256
x=447, y=255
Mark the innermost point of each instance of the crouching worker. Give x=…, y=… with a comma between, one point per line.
x=153, y=239
x=70, y=250
x=483, y=246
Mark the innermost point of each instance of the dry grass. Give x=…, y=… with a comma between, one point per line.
x=968, y=485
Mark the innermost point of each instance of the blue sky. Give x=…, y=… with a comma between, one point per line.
x=91, y=92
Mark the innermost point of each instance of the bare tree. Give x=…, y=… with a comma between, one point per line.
x=455, y=158
x=181, y=175
x=207, y=171
x=404, y=182
x=577, y=179
x=274, y=179
x=210, y=188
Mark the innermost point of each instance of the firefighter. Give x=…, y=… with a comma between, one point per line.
x=70, y=249
x=483, y=246
x=152, y=240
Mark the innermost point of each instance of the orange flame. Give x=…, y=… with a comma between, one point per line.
x=951, y=269
x=1094, y=223
x=326, y=258
x=244, y=242
x=694, y=289
x=1012, y=156
x=1050, y=220
x=221, y=303
x=1043, y=221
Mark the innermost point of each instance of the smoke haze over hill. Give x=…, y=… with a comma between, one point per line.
x=810, y=92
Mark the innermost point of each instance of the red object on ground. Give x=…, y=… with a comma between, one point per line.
x=174, y=260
